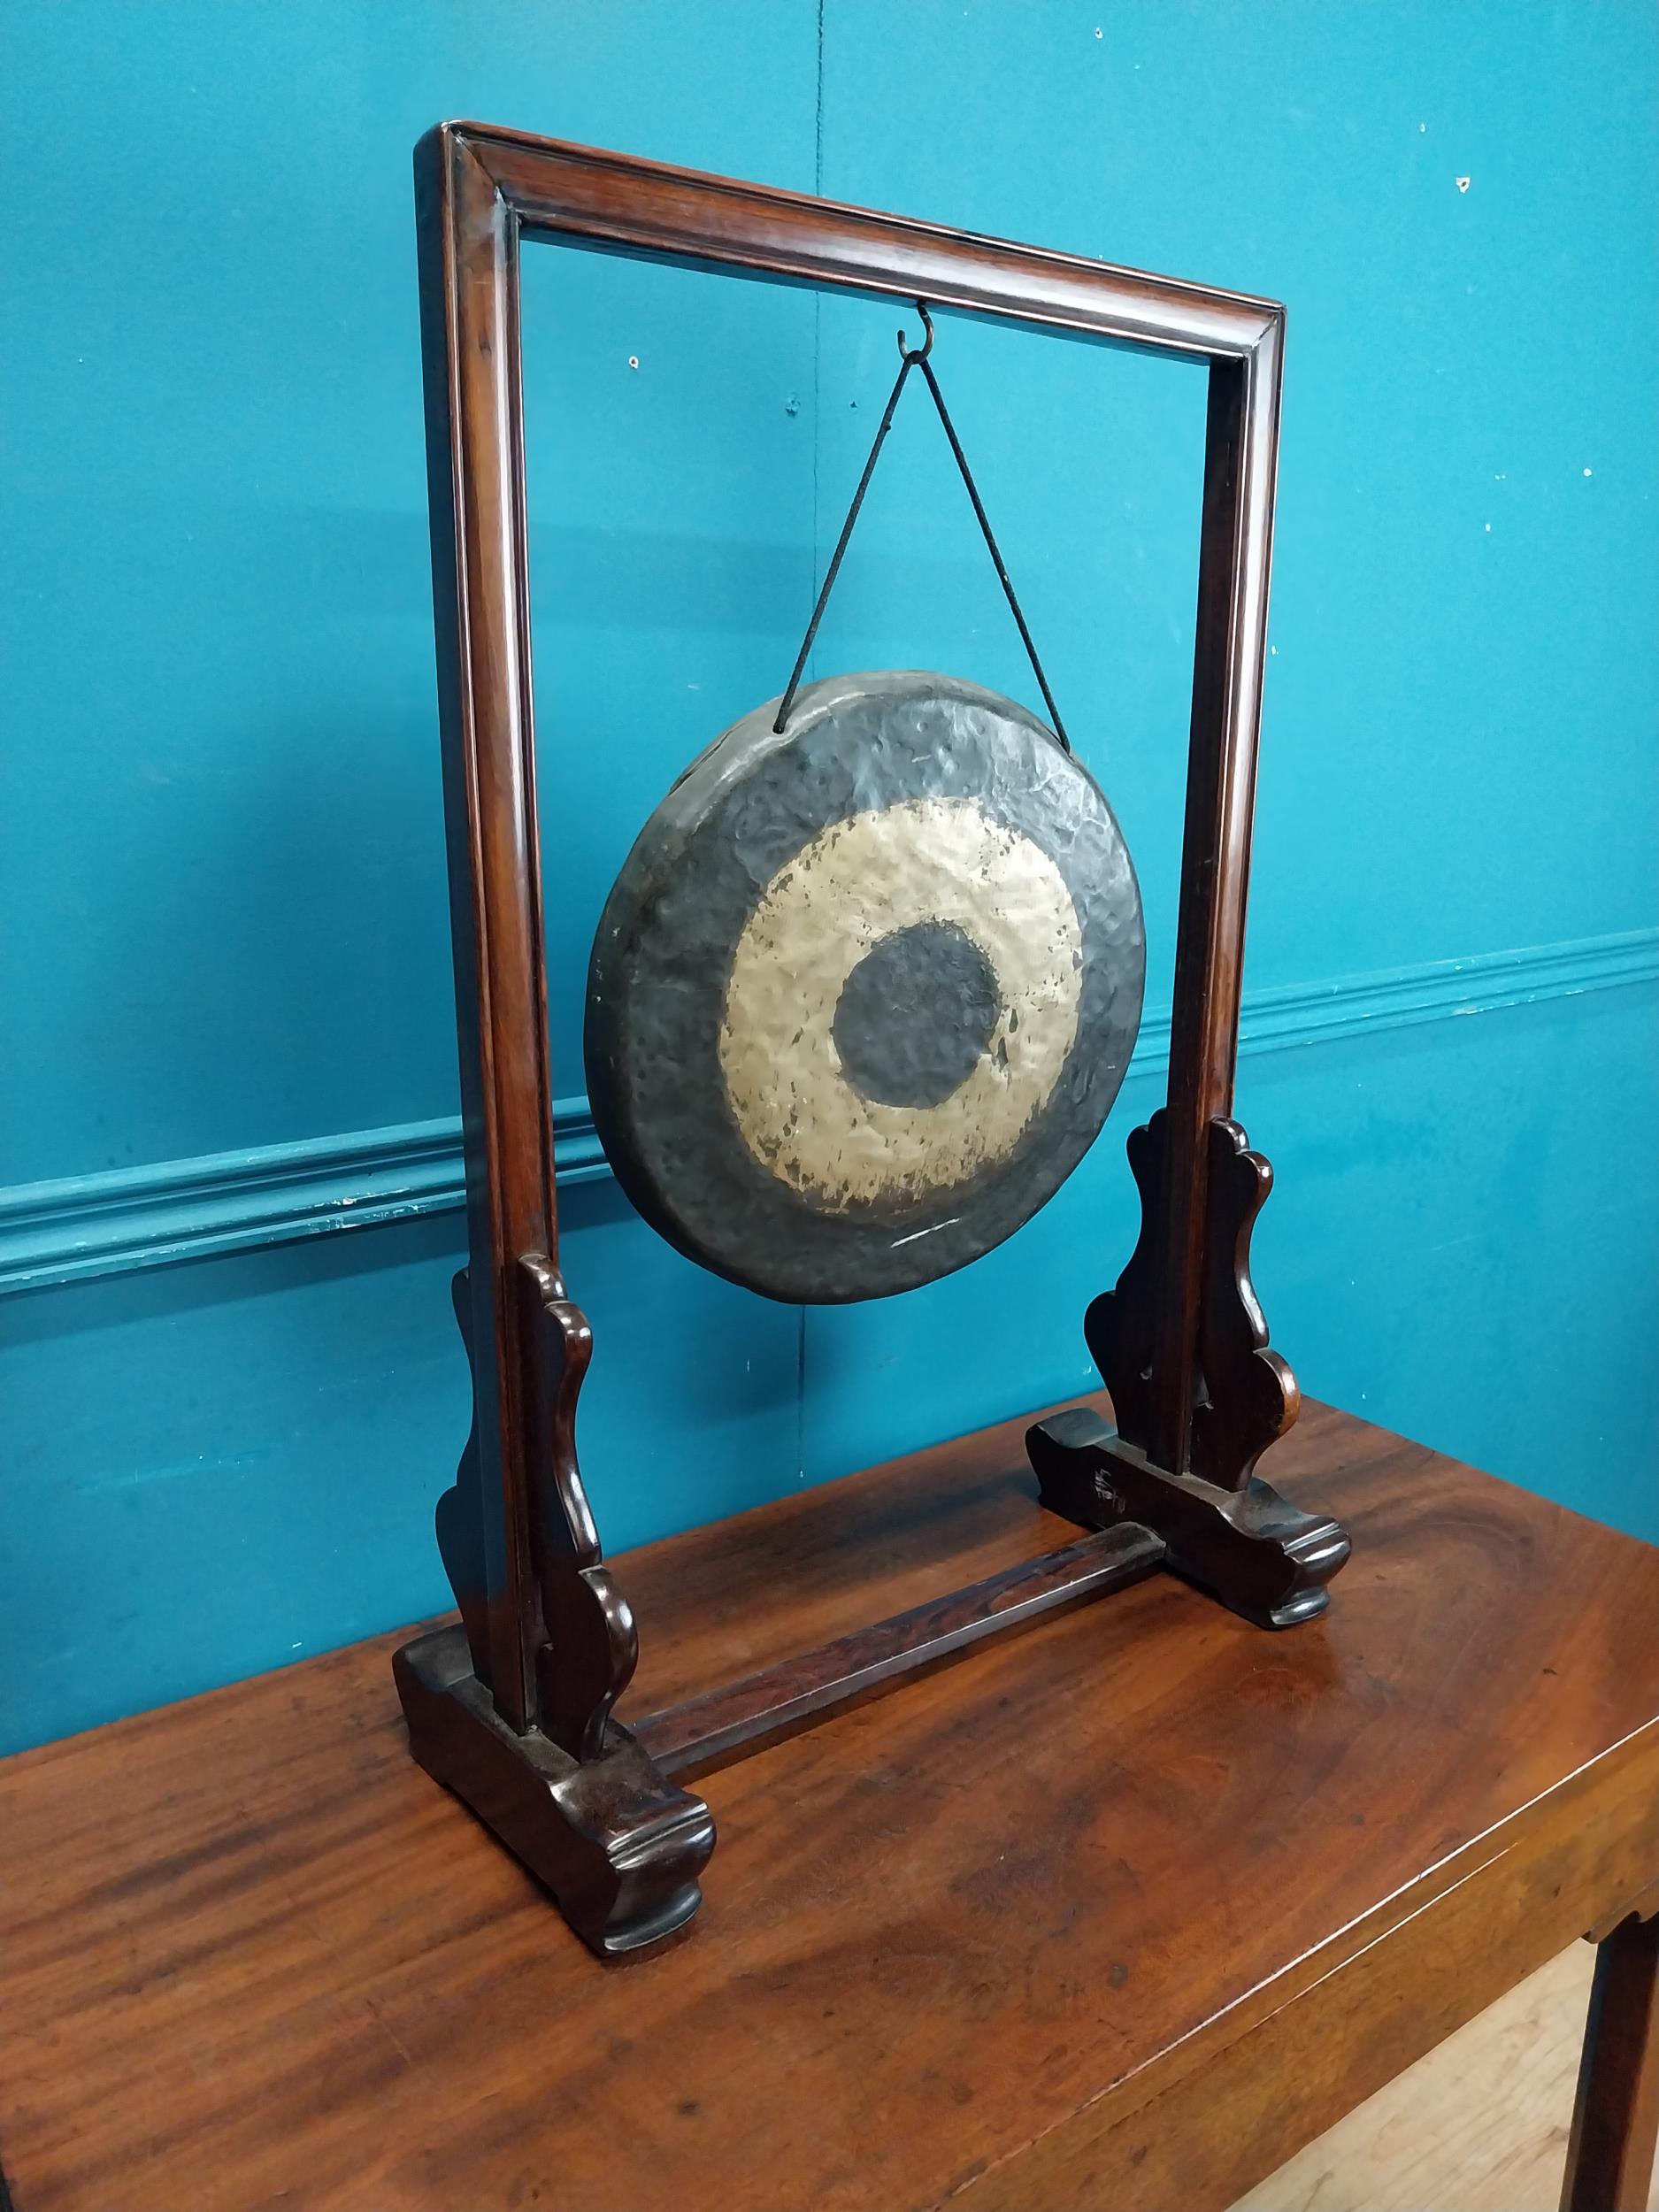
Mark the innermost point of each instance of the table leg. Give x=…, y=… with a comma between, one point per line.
x=1615, y=2117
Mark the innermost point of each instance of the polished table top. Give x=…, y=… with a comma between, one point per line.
x=1120, y=1909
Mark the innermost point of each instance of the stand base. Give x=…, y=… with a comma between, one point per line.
x=1258, y=1553
x=620, y=1848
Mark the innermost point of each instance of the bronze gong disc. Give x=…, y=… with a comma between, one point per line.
x=863, y=992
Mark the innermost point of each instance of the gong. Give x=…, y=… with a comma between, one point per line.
x=865, y=989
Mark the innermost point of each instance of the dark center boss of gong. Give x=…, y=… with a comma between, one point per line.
x=916, y=1014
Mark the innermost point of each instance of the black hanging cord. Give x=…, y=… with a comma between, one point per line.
x=916, y=357
x=833, y=570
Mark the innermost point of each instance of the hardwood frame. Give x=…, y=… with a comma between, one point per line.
x=514, y=1708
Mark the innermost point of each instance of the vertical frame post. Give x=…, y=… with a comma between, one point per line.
x=469, y=253
x=1235, y=550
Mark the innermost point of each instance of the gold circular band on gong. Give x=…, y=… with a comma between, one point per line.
x=865, y=991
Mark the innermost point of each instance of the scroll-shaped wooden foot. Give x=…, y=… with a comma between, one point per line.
x=1225, y=1529
x=620, y=1848
x=1251, y=1549
x=571, y=1794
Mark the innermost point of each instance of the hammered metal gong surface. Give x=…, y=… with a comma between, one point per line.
x=863, y=993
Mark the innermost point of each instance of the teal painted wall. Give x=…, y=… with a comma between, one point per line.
x=231, y=1383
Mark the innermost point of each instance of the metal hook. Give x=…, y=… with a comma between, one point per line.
x=906, y=352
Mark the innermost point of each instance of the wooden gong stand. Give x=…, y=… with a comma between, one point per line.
x=513, y=1709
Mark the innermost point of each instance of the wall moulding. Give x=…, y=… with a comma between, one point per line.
x=83, y=1226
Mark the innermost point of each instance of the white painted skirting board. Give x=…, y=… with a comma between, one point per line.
x=231, y=1201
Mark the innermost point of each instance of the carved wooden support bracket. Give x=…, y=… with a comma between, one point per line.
x=1225, y=1527
x=459, y=1516
x=1257, y=1552
x=590, y=1647
x=574, y=1795
x=1244, y=1396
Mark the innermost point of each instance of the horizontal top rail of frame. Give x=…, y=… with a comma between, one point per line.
x=646, y=207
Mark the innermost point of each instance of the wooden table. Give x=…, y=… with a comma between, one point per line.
x=1116, y=1912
